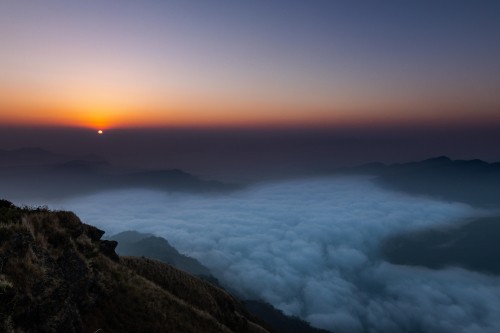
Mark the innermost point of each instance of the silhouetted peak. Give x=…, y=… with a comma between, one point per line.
x=130, y=236
x=95, y=159
x=6, y=204
x=474, y=162
x=437, y=160
x=175, y=172
x=28, y=152
x=28, y=156
x=75, y=166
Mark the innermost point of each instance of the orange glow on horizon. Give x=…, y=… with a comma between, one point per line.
x=102, y=119
x=99, y=113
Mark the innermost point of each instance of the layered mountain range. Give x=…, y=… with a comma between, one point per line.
x=474, y=182
x=472, y=244
x=38, y=173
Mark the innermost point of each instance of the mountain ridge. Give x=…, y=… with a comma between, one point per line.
x=58, y=275
x=43, y=174
x=133, y=243
x=474, y=182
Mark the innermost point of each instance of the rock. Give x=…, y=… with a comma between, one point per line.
x=108, y=249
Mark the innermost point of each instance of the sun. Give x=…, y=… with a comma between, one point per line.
x=100, y=132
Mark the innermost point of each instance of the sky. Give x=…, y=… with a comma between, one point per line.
x=140, y=64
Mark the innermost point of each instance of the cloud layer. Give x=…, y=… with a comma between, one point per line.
x=310, y=247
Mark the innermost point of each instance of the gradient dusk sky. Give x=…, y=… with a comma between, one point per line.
x=109, y=64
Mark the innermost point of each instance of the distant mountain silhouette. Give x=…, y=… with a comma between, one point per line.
x=470, y=181
x=80, y=165
x=133, y=243
x=473, y=245
x=28, y=156
x=173, y=179
x=37, y=173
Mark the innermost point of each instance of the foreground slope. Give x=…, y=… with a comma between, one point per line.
x=57, y=275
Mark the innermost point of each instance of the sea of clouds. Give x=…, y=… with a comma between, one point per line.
x=310, y=248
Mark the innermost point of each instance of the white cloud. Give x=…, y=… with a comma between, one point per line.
x=310, y=247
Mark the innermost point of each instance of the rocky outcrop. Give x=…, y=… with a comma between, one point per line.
x=57, y=275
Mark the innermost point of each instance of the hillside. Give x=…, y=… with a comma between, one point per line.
x=133, y=243
x=472, y=244
x=37, y=173
x=474, y=182
x=57, y=275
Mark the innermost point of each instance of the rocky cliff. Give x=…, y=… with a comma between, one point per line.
x=58, y=275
